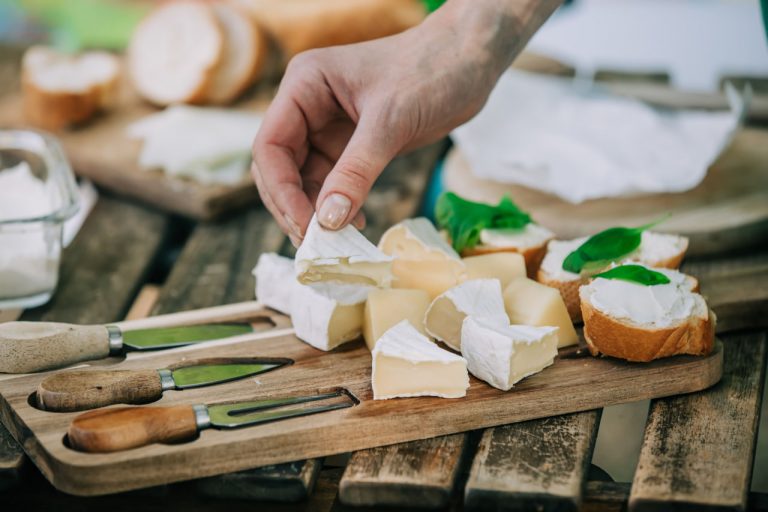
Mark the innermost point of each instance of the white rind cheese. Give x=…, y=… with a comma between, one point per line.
x=504, y=355
x=275, y=281
x=325, y=315
x=417, y=239
x=407, y=364
x=481, y=298
x=387, y=307
x=530, y=303
x=531, y=235
x=503, y=266
x=343, y=256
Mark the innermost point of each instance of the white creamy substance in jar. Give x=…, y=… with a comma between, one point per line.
x=28, y=252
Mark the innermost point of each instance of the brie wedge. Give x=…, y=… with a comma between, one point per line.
x=406, y=364
x=343, y=256
x=530, y=303
x=502, y=355
x=388, y=307
x=325, y=315
x=275, y=281
x=503, y=266
x=480, y=298
x=423, y=259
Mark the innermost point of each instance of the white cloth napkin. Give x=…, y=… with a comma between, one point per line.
x=578, y=142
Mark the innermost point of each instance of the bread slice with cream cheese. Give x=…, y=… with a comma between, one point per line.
x=530, y=241
x=656, y=250
x=641, y=323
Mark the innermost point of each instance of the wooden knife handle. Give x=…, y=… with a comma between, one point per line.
x=112, y=430
x=82, y=390
x=36, y=346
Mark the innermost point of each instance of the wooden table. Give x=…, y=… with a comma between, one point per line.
x=697, y=450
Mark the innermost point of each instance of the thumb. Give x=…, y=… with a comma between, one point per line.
x=347, y=185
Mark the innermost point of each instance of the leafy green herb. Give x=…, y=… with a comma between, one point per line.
x=464, y=219
x=605, y=247
x=635, y=274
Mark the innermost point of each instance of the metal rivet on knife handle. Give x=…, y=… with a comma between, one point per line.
x=115, y=339
x=35, y=346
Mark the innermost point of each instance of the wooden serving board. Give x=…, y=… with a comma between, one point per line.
x=727, y=211
x=576, y=382
x=102, y=152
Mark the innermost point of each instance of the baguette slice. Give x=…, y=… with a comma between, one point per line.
x=642, y=323
x=656, y=250
x=530, y=242
x=61, y=90
x=244, y=54
x=175, y=52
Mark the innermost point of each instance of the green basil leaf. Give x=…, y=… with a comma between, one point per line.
x=635, y=274
x=609, y=245
x=465, y=219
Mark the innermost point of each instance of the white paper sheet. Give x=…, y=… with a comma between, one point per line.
x=578, y=142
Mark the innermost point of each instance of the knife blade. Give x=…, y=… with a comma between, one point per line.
x=35, y=346
x=124, y=428
x=89, y=389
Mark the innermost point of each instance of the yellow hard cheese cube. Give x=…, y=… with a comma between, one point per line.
x=504, y=266
x=434, y=277
x=386, y=308
x=530, y=303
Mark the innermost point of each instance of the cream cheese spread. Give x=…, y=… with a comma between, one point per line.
x=531, y=235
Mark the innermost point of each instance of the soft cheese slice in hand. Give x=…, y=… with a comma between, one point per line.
x=504, y=266
x=387, y=307
x=530, y=303
x=502, y=355
x=407, y=364
x=423, y=259
x=275, y=281
x=343, y=256
x=480, y=298
x=326, y=315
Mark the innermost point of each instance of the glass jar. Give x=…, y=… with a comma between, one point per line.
x=37, y=194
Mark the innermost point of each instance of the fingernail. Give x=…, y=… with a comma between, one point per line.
x=295, y=241
x=334, y=211
x=294, y=227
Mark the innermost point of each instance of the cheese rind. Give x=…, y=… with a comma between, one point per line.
x=407, y=364
x=503, y=355
x=386, y=308
x=530, y=303
x=503, y=266
x=481, y=298
x=417, y=239
x=343, y=256
x=275, y=280
x=326, y=315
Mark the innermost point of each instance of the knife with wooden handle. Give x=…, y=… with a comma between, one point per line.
x=123, y=428
x=36, y=346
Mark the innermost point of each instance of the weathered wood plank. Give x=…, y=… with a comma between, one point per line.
x=421, y=472
x=535, y=465
x=698, y=450
x=100, y=273
x=283, y=482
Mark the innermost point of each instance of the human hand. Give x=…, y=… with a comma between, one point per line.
x=343, y=113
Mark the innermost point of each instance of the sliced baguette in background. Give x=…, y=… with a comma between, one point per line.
x=60, y=90
x=613, y=330
x=175, y=52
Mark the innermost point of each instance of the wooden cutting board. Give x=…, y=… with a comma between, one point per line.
x=727, y=211
x=576, y=382
x=102, y=152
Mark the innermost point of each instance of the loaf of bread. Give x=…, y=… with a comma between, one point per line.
x=656, y=250
x=61, y=90
x=641, y=323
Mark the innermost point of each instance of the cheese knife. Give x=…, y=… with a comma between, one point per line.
x=123, y=428
x=35, y=346
x=88, y=389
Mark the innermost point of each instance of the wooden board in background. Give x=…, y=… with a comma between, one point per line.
x=368, y=424
x=727, y=211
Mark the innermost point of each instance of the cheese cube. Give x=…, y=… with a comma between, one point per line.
x=530, y=303
x=479, y=297
x=388, y=307
x=343, y=256
x=434, y=277
x=275, y=278
x=325, y=315
x=406, y=364
x=503, y=266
